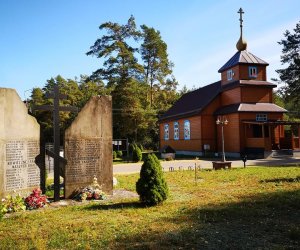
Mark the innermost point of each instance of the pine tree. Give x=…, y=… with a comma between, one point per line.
x=151, y=186
x=290, y=76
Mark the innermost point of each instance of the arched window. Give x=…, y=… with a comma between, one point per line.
x=176, y=131
x=187, y=130
x=166, y=132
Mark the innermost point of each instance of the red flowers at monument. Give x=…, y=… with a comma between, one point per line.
x=36, y=199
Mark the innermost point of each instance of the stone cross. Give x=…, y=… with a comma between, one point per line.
x=56, y=96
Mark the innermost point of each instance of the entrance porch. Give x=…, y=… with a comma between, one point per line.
x=269, y=138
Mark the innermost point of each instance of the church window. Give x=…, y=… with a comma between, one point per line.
x=176, y=131
x=261, y=117
x=252, y=72
x=166, y=132
x=229, y=75
x=187, y=130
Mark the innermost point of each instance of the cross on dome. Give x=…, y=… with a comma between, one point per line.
x=241, y=44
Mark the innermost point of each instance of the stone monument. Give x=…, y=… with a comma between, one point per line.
x=88, y=147
x=19, y=145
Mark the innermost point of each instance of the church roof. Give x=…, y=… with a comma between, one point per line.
x=193, y=102
x=250, y=107
x=242, y=57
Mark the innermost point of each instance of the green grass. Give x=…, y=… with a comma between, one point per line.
x=252, y=208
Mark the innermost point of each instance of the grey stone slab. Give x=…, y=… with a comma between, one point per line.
x=88, y=147
x=19, y=145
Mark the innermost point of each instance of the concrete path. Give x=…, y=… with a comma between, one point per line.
x=128, y=168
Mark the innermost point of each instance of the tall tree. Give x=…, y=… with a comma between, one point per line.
x=120, y=62
x=157, y=66
x=290, y=75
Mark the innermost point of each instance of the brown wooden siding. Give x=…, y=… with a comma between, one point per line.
x=241, y=72
x=274, y=131
x=236, y=76
x=231, y=96
x=244, y=72
x=255, y=94
x=194, y=144
x=231, y=134
x=209, y=124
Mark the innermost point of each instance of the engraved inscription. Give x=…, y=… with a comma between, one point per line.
x=21, y=172
x=84, y=159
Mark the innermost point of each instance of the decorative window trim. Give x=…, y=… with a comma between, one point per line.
x=261, y=117
x=176, y=131
x=230, y=75
x=252, y=72
x=187, y=130
x=166, y=132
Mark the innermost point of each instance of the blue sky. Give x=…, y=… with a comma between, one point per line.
x=41, y=39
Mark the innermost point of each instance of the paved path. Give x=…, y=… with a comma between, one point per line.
x=128, y=168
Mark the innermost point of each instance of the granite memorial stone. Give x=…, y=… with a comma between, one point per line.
x=19, y=145
x=88, y=147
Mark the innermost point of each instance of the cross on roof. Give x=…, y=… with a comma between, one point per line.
x=241, y=12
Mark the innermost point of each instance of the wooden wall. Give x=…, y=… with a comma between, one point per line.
x=241, y=72
x=231, y=134
x=231, y=96
x=254, y=94
x=194, y=144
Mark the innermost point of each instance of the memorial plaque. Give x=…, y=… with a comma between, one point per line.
x=19, y=145
x=88, y=147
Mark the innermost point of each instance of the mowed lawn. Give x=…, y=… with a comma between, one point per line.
x=252, y=208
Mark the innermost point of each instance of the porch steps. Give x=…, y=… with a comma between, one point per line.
x=282, y=153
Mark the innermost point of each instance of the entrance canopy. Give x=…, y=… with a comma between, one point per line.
x=278, y=122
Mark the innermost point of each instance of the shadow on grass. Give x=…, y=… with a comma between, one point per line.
x=121, y=205
x=278, y=180
x=264, y=221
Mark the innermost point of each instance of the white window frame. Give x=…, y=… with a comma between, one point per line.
x=229, y=75
x=187, y=130
x=166, y=132
x=176, y=130
x=261, y=117
x=252, y=71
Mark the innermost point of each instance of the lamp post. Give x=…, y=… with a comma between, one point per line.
x=222, y=121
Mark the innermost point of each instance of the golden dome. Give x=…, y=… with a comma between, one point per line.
x=241, y=44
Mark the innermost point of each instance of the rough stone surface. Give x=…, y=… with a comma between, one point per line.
x=88, y=147
x=19, y=145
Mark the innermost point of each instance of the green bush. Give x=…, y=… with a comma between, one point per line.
x=136, y=154
x=114, y=155
x=151, y=186
x=3, y=210
x=119, y=154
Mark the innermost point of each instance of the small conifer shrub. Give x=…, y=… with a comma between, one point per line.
x=114, y=155
x=151, y=186
x=136, y=154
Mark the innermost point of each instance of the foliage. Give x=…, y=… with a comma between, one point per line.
x=3, y=209
x=290, y=75
x=136, y=154
x=78, y=93
x=36, y=200
x=156, y=63
x=119, y=154
x=114, y=155
x=151, y=186
x=13, y=204
x=121, y=63
x=135, y=71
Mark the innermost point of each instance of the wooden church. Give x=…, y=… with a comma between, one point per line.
x=242, y=99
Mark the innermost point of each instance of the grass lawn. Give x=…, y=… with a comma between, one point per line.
x=252, y=208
